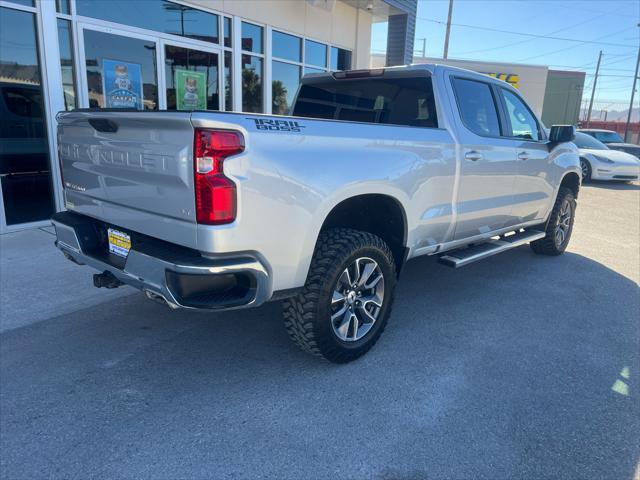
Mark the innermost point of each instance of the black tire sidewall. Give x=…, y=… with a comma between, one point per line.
x=324, y=328
x=587, y=177
x=568, y=196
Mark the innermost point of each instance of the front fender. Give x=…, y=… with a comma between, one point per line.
x=563, y=160
x=566, y=159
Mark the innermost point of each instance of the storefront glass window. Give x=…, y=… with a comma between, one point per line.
x=286, y=46
x=24, y=151
x=251, y=37
x=66, y=64
x=340, y=59
x=26, y=3
x=162, y=16
x=284, y=84
x=121, y=71
x=308, y=70
x=192, y=79
x=252, y=84
x=227, y=31
x=315, y=53
x=228, y=83
x=62, y=6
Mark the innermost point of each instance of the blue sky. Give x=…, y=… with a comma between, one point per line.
x=610, y=23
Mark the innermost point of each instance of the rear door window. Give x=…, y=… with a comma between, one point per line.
x=477, y=107
x=393, y=101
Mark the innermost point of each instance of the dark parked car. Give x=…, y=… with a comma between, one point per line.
x=613, y=140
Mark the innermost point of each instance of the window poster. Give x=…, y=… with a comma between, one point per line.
x=191, y=90
x=122, y=84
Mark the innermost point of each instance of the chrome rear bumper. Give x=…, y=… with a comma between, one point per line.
x=182, y=281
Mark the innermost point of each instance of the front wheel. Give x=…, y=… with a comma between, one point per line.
x=344, y=306
x=560, y=225
x=585, y=166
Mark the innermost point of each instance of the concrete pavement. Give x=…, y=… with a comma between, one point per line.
x=37, y=282
x=516, y=367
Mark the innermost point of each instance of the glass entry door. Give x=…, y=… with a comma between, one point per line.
x=130, y=70
x=192, y=78
x=120, y=69
x=25, y=174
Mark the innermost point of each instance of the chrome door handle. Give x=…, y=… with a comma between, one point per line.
x=523, y=156
x=473, y=156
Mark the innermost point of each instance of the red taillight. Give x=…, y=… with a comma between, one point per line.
x=215, y=193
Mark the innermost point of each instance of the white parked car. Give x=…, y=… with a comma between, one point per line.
x=613, y=140
x=599, y=162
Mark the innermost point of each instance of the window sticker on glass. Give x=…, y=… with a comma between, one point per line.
x=191, y=90
x=122, y=84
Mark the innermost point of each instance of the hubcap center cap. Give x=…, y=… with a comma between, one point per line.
x=351, y=297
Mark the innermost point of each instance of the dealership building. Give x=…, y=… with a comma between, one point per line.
x=232, y=55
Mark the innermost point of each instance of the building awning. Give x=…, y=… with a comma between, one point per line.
x=381, y=9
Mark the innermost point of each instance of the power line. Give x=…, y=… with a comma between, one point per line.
x=533, y=35
x=573, y=9
x=586, y=65
x=619, y=69
x=532, y=39
x=574, y=46
x=618, y=76
x=624, y=59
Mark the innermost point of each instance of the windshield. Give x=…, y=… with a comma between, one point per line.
x=608, y=137
x=583, y=140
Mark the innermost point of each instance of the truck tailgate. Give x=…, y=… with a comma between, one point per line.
x=131, y=169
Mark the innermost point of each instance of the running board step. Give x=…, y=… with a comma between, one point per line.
x=465, y=256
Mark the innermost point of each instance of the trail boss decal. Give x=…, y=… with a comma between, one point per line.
x=277, y=125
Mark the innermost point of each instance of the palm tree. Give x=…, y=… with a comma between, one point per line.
x=251, y=91
x=279, y=98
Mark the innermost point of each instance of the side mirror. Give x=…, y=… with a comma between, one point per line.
x=562, y=133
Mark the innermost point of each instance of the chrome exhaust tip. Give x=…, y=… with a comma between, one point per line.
x=156, y=297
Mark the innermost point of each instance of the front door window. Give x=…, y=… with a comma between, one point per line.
x=523, y=123
x=25, y=174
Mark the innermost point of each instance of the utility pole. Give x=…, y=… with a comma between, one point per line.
x=424, y=46
x=446, y=38
x=593, y=90
x=633, y=91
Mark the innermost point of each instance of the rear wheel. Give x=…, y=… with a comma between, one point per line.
x=560, y=225
x=344, y=306
x=586, y=170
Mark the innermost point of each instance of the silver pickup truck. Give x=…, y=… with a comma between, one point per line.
x=321, y=209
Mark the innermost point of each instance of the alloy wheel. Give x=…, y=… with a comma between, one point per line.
x=564, y=224
x=357, y=299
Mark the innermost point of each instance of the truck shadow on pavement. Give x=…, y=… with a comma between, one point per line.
x=519, y=366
